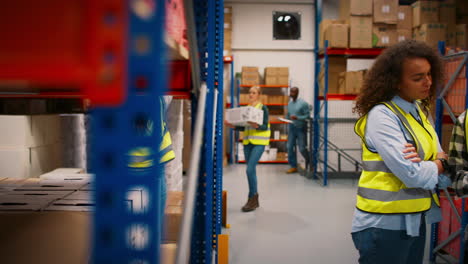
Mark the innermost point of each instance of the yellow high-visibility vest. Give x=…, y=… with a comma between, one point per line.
x=379, y=190
x=257, y=137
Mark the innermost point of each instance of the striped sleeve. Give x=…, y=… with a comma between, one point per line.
x=458, y=155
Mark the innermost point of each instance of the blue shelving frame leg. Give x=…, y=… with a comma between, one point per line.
x=316, y=120
x=206, y=226
x=115, y=132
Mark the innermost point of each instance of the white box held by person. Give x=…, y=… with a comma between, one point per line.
x=240, y=116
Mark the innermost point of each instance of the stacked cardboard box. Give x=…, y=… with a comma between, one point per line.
x=462, y=36
x=335, y=31
x=426, y=25
x=250, y=75
x=354, y=81
x=336, y=65
x=276, y=76
x=461, y=11
x=358, y=14
x=447, y=16
x=29, y=145
x=405, y=23
x=384, y=30
x=227, y=31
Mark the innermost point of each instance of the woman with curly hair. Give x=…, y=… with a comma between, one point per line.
x=402, y=158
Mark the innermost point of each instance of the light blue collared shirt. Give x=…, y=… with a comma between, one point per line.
x=299, y=108
x=385, y=134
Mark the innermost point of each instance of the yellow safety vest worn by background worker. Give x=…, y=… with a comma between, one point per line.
x=379, y=190
x=257, y=137
x=142, y=157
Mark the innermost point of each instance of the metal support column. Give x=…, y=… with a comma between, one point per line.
x=121, y=233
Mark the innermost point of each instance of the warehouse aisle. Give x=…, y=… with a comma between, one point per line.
x=298, y=221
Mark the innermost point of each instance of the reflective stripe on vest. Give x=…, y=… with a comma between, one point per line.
x=257, y=137
x=379, y=190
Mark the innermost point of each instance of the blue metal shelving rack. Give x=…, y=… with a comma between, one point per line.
x=116, y=131
x=441, y=105
x=209, y=16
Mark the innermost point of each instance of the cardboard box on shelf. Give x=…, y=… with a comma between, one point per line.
x=336, y=65
x=354, y=81
x=276, y=71
x=405, y=17
x=360, y=32
x=341, y=83
x=451, y=39
x=324, y=24
x=462, y=36
x=277, y=80
x=239, y=116
x=337, y=35
x=228, y=14
x=403, y=34
x=384, y=35
x=250, y=78
x=386, y=11
x=425, y=12
x=29, y=130
x=355, y=8
x=447, y=13
x=431, y=33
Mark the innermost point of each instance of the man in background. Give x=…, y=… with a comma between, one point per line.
x=298, y=112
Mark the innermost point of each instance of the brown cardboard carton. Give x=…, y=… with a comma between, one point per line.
x=336, y=65
x=461, y=36
x=405, y=17
x=432, y=33
x=447, y=14
x=250, y=76
x=386, y=11
x=344, y=6
x=425, y=12
x=341, y=82
x=249, y=69
x=337, y=35
x=403, y=34
x=324, y=24
x=355, y=8
x=451, y=39
x=277, y=80
x=462, y=7
x=360, y=32
x=384, y=35
x=276, y=71
x=354, y=81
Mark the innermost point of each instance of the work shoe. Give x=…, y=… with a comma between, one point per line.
x=291, y=170
x=251, y=204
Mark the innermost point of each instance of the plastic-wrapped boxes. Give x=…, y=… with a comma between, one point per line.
x=240, y=116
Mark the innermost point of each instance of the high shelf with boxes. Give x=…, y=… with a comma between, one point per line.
x=448, y=236
x=275, y=97
x=111, y=62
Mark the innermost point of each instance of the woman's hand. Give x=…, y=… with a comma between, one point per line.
x=228, y=124
x=442, y=155
x=411, y=153
x=254, y=125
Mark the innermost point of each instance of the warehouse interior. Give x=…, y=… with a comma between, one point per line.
x=122, y=133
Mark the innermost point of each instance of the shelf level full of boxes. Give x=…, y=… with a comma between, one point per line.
x=365, y=27
x=448, y=236
x=114, y=61
x=275, y=97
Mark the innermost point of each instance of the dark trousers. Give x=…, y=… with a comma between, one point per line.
x=382, y=246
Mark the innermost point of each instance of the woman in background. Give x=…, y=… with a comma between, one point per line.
x=256, y=137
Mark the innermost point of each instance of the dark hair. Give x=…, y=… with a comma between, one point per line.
x=382, y=80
